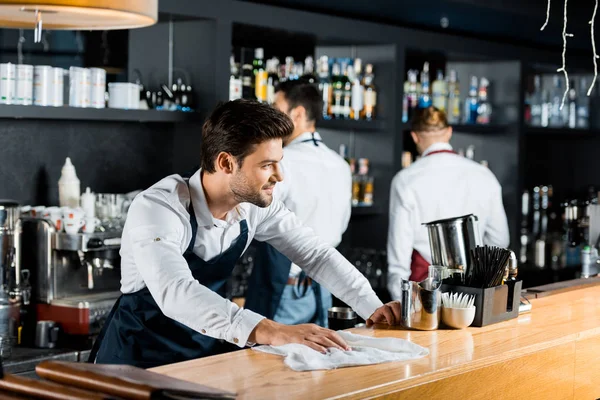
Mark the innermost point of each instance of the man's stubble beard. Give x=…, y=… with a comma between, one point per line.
x=243, y=193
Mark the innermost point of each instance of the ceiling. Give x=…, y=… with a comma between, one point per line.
x=515, y=21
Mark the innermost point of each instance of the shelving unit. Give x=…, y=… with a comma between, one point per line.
x=93, y=114
x=562, y=132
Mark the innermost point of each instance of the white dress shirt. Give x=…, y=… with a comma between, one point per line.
x=439, y=186
x=317, y=187
x=158, y=231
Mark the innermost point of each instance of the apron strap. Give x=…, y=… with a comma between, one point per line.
x=98, y=341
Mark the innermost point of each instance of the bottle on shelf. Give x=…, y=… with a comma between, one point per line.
x=556, y=115
x=235, y=82
x=535, y=102
x=348, y=72
x=410, y=99
x=484, y=109
x=260, y=76
x=337, y=83
x=370, y=97
x=325, y=86
x=471, y=103
x=308, y=73
x=571, y=107
x=583, y=105
x=439, y=92
x=288, y=71
x=425, y=97
x=362, y=185
x=453, y=113
x=546, y=108
x=272, y=79
x=358, y=93
x=247, y=82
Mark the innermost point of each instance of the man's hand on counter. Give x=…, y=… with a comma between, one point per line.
x=317, y=338
x=389, y=313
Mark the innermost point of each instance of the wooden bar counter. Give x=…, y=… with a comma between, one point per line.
x=553, y=352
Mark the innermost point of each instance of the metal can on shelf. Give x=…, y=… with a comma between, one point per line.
x=79, y=87
x=24, y=84
x=42, y=85
x=58, y=87
x=98, y=87
x=7, y=83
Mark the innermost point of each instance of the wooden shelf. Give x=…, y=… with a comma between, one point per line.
x=351, y=125
x=566, y=132
x=93, y=114
x=360, y=211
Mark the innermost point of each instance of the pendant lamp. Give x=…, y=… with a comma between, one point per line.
x=77, y=14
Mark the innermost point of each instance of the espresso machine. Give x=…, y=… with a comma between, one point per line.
x=75, y=278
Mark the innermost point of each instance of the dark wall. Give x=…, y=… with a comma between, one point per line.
x=108, y=156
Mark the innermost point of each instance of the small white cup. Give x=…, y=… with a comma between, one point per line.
x=91, y=224
x=73, y=220
x=55, y=216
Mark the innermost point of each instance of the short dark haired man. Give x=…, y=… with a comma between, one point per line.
x=318, y=189
x=182, y=238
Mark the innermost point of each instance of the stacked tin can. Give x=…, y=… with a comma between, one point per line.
x=26, y=85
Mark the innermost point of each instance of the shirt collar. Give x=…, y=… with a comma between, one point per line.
x=305, y=136
x=203, y=215
x=436, y=147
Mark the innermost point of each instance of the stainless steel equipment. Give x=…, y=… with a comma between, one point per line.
x=590, y=257
x=452, y=239
x=9, y=215
x=421, y=304
x=75, y=278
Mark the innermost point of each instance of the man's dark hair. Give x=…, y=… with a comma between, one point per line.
x=237, y=127
x=301, y=93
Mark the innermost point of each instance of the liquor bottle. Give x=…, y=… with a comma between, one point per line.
x=358, y=69
x=260, y=83
x=572, y=107
x=348, y=72
x=370, y=98
x=439, y=92
x=235, y=82
x=308, y=74
x=247, y=82
x=583, y=105
x=337, y=84
x=524, y=239
x=484, y=108
x=546, y=107
x=410, y=99
x=453, y=114
x=425, y=97
x=325, y=86
x=556, y=116
x=257, y=65
x=289, y=69
x=471, y=103
x=535, y=102
x=358, y=93
x=272, y=79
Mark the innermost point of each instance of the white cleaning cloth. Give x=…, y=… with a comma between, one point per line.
x=365, y=350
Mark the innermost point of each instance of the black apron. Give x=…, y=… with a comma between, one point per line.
x=138, y=333
x=270, y=275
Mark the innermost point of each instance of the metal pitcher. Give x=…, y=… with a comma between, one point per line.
x=421, y=304
x=452, y=239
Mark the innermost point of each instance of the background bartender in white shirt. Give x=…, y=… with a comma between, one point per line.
x=182, y=238
x=440, y=185
x=318, y=189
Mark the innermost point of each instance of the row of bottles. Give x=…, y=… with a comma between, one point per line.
x=348, y=91
x=554, y=236
x=542, y=106
x=362, y=182
x=444, y=94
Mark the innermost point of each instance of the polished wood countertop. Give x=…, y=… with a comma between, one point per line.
x=553, y=346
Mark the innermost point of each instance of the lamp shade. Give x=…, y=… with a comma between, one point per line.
x=79, y=14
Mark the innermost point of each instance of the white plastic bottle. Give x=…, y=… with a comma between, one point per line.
x=88, y=203
x=68, y=186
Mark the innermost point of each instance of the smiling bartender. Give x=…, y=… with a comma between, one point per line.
x=440, y=185
x=182, y=239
